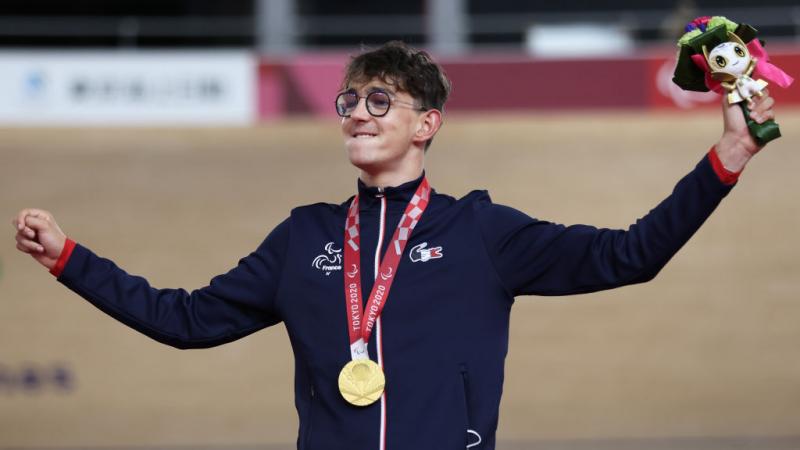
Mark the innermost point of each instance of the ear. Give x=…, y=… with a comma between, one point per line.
x=428, y=124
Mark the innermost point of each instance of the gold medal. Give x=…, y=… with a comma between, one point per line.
x=361, y=382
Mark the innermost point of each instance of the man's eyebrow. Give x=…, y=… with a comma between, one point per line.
x=369, y=90
x=380, y=89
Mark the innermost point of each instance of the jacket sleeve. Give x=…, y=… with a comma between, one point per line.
x=232, y=306
x=532, y=256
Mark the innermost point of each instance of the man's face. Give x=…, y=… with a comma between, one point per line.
x=381, y=143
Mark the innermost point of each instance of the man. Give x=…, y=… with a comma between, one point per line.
x=416, y=364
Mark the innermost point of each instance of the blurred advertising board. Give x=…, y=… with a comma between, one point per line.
x=127, y=88
x=307, y=84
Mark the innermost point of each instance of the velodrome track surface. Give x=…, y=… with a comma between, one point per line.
x=704, y=356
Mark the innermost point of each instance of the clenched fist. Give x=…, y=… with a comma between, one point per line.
x=38, y=235
x=737, y=146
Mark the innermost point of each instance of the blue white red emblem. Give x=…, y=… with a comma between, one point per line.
x=420, y=253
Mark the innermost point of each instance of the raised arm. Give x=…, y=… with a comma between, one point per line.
x=233, y=305
x=537, y=257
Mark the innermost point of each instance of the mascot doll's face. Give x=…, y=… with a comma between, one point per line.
x=729, y=57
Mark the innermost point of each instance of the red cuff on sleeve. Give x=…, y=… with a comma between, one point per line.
x=725, y=175
x=69, y=246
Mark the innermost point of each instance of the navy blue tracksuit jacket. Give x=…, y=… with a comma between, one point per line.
x=443, y=334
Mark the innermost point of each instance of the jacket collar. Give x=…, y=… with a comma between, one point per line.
x=396, y=196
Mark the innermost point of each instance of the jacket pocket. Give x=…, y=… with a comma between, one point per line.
x=464, y=380
x=473, y=439
x=309, y=419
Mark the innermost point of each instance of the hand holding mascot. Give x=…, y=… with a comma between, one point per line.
x=716, y=54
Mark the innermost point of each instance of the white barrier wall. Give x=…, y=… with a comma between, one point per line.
x=127, y=88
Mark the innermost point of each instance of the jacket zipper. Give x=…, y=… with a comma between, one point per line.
x=378, y=332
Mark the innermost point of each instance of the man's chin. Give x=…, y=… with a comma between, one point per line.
x=360, y=153
x=364, y=162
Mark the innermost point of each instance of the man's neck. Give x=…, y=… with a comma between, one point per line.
x=408, y=169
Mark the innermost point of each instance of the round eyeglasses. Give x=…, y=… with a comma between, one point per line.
x=378, y=103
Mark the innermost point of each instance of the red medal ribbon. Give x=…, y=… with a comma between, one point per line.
x=360, y=324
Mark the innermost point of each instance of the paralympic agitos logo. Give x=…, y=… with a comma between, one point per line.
x=329, y=261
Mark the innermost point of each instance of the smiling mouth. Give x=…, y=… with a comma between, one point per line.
x=363, y=135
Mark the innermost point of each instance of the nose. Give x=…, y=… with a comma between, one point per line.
x=360, y=112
